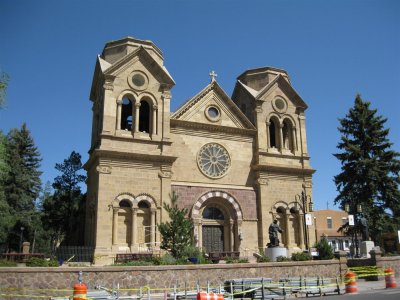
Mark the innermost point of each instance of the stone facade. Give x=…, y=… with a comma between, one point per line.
x=236, y=163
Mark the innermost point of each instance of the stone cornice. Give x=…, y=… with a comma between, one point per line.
x=131, y=139
x=283, y=169
x=263, y=152
x=212, y=127
x=114, y=154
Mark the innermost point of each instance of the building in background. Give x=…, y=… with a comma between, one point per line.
x=327, y=223
x=236, y=163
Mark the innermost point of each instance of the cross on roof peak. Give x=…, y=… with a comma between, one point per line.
x=213, y=75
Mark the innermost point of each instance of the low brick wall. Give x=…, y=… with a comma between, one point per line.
x=160, y=276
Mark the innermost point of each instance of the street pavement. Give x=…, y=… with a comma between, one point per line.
x=374, y=290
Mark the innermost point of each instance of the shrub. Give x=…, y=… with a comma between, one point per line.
x=301, y=256
x=263, y=258
x=40, y=262
x=142, y=262
x=167, y=259
x=7, y=263
x=232, y=260
x=324, y=249
x=282, y=258
x=192, y=251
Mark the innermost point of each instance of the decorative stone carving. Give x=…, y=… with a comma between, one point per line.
x=104, y=169
x=108, y=85
x=262, y=181
x=165, y=174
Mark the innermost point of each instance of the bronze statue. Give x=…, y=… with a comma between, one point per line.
x=273, y=234
x=364, y=228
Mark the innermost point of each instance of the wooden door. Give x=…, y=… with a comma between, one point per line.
x=213, y=238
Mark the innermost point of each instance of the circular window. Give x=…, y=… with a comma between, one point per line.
x=279, y=105
x=213, y=113
x=138, y=80
x=213, y=160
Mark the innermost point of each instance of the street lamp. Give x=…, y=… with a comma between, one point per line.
x=305, y=199
x=20, y=238
x=354, y=220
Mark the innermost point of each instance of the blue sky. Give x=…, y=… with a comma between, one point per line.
x=331, y=49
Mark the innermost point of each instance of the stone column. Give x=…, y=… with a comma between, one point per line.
x=232, y=235
x=196, y=232
x=115, y=226
x=200, y=234
x=281, y=146
x=119, y=110
x=264, y=218
x=165, y=113
x=154, y=129
x=137, y=107
x=287, y=227
x=152, y=227
x=108, y=110
x=133, y=228
x=294, y=140
x=303, y=139
x=301, y=231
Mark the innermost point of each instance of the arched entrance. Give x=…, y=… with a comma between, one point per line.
x=217, y=218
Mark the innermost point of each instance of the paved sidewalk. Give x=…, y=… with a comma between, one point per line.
x=364, y=285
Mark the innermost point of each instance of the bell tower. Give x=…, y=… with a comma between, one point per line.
x=282, y=163
x=130, y=154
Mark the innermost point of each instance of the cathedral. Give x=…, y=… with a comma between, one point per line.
x=236, y=163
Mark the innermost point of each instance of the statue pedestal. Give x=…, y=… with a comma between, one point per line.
x=274, y=252
x=366, y=247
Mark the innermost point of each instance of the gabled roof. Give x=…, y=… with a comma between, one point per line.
x=140, y=52
x=279, y=79
x=213, y=87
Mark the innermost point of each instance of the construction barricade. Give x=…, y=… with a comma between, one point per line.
x=390, y=280
x=350, y=282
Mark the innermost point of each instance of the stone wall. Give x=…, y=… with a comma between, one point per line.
x=392, y=262
x=160, y=276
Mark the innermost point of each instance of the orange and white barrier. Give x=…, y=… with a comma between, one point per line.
x=210, y=296
x=80, y=289
x=389, y=278
x=350, y=282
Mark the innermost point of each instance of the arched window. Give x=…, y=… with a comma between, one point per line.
x=143, y=204
x=144, y=117
x=287, y=135
x=213, y=213
x=126, y=114
x=124, y=203
x=273, y=136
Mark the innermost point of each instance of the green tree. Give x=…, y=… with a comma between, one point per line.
x=3, y=87
x=22, y=183
x=324, y=249
x=370, y=169
x=177, y=234
x=63, y=211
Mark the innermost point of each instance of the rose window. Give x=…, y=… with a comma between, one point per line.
x=213, y=160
